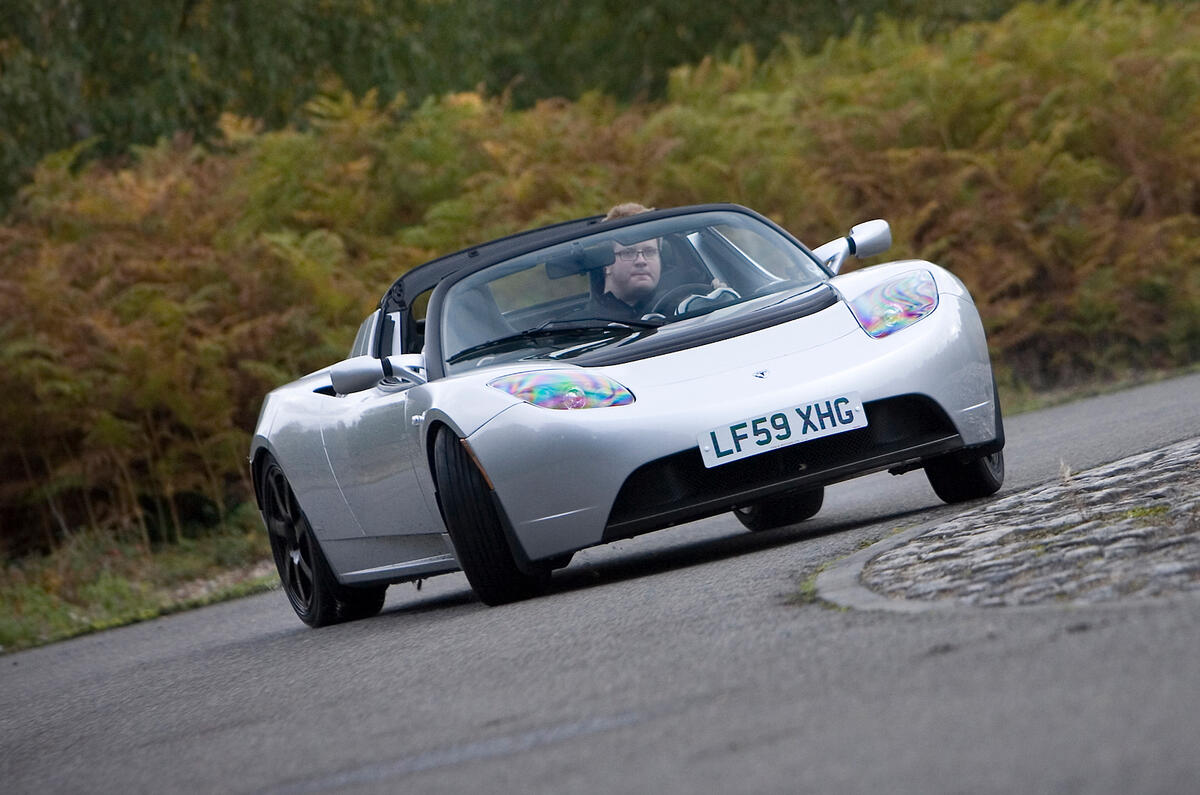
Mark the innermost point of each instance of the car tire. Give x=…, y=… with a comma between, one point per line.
x=308, y=581
x=355, y=602
x=475, y=529
x=955, y=480
x=783, y=509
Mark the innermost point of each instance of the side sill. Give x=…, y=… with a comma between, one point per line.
x=403, y=572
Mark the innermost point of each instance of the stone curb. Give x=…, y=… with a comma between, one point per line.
x=841, y=584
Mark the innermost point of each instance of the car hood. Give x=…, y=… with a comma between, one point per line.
x=690, y=356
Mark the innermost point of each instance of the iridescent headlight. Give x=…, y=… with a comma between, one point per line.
x=899, y=303
x=560, y=389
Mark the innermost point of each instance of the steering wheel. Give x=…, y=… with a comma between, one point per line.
x=669, y=301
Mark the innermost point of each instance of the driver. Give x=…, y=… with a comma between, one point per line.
x=630, y=284
x=631, y=281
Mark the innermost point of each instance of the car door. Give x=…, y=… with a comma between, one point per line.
x=375, y=452
x=376, y=456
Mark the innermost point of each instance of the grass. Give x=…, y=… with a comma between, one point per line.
x=98, y=580
x=808, y=593
x=1016, y=400
x=1146, y=513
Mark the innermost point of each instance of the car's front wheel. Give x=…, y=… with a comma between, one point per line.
x=309, y=583
x=955, y=480
x=780, y=510
x=474, y=525
x=958, y=479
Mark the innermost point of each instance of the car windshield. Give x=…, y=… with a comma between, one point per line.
x=614, y=287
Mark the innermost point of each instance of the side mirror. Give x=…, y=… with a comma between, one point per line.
x=355, y=374
x=870, y=238
x=363, y=372
x=407, y=367
x=865, y=240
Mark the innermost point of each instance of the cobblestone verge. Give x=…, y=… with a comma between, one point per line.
x=1130, y=529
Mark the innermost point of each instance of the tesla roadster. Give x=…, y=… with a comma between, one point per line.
x=512, y=403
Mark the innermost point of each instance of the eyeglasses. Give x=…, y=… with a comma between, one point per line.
x=630, y=254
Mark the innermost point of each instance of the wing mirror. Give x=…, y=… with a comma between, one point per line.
x=364, y=372
x=870, y=238
x=865, y=240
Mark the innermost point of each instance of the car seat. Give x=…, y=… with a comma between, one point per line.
x=476, y=319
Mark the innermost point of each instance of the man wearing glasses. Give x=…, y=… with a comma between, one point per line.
x=631, y=280
x=629, y=289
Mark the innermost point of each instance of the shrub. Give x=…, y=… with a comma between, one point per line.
x=1050, y=159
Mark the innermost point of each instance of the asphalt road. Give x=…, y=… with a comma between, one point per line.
x=678, y=662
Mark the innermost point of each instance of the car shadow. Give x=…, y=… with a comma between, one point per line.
x=419, y=604
x=646, y=562
x=685, y=554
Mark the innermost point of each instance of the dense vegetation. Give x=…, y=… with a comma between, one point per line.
x=129, y=71
x=1050, y=158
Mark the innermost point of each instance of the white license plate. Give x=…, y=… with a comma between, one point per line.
x=781, y=428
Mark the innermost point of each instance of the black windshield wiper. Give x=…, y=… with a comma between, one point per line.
x=555, y=329
x=599, y=322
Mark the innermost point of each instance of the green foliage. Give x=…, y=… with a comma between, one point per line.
x=130, y=72
x=1050, y=159
x=127, y=72
x=95, y=580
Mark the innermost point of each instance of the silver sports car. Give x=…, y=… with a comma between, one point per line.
x=568, y=386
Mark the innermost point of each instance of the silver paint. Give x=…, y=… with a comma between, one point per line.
x=359, y=463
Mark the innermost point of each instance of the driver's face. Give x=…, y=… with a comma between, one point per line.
x=635, y=271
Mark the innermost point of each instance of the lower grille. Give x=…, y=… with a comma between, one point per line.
x=680, y=488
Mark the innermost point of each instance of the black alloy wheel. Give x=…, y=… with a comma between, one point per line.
x=955, y=479
x=310, y=585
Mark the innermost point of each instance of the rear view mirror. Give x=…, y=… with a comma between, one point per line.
x=579, y=258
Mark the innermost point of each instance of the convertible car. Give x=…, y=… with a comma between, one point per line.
x=515, y=402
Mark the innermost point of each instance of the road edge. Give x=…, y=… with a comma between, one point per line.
x=841, y=585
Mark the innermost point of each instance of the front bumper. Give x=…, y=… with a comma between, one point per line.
x=567, y=480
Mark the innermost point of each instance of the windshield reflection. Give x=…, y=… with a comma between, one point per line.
x=617, y=287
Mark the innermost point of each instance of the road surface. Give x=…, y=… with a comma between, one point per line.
x=677, y=662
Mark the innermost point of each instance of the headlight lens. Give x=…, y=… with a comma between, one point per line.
x=899, y=303
x=557, y=389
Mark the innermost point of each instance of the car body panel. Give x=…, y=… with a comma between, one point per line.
x=556, y=473
x=290, y=431
x=360, y=464
x=374, y=453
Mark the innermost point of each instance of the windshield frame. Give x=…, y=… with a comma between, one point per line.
x=512, y=250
